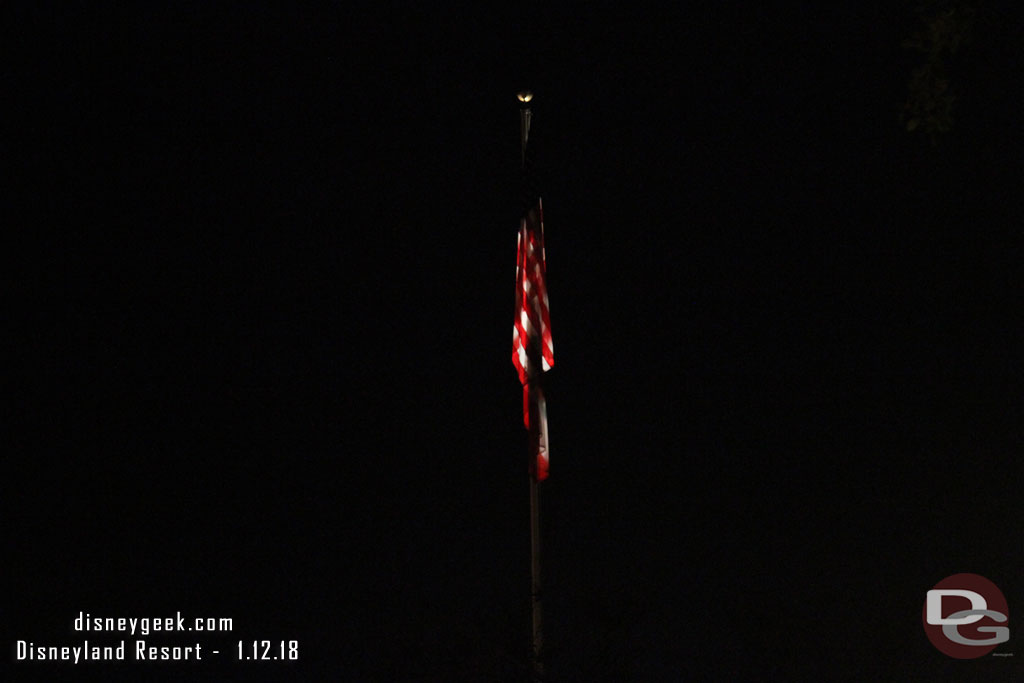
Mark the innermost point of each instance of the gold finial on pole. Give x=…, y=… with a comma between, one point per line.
x=524, y=98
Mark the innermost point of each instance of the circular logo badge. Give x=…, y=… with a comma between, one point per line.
x=965, y=616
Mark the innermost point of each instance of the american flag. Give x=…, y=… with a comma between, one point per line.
x=532, y=349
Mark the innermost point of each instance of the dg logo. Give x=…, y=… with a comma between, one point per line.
x=962, y=614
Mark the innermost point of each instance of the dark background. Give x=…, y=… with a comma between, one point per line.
x=262, y=294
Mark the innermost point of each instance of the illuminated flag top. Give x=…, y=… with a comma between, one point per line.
x=532, y=349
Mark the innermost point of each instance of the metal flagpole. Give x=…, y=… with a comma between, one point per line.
x=538, y=614
x=537, y=642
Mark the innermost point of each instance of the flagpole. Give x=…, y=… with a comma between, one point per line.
x=538, y=613
x=536, y=607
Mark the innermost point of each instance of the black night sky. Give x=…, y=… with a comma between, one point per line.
x=262, y=306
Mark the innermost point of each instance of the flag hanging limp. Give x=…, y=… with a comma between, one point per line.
x=532, y=349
